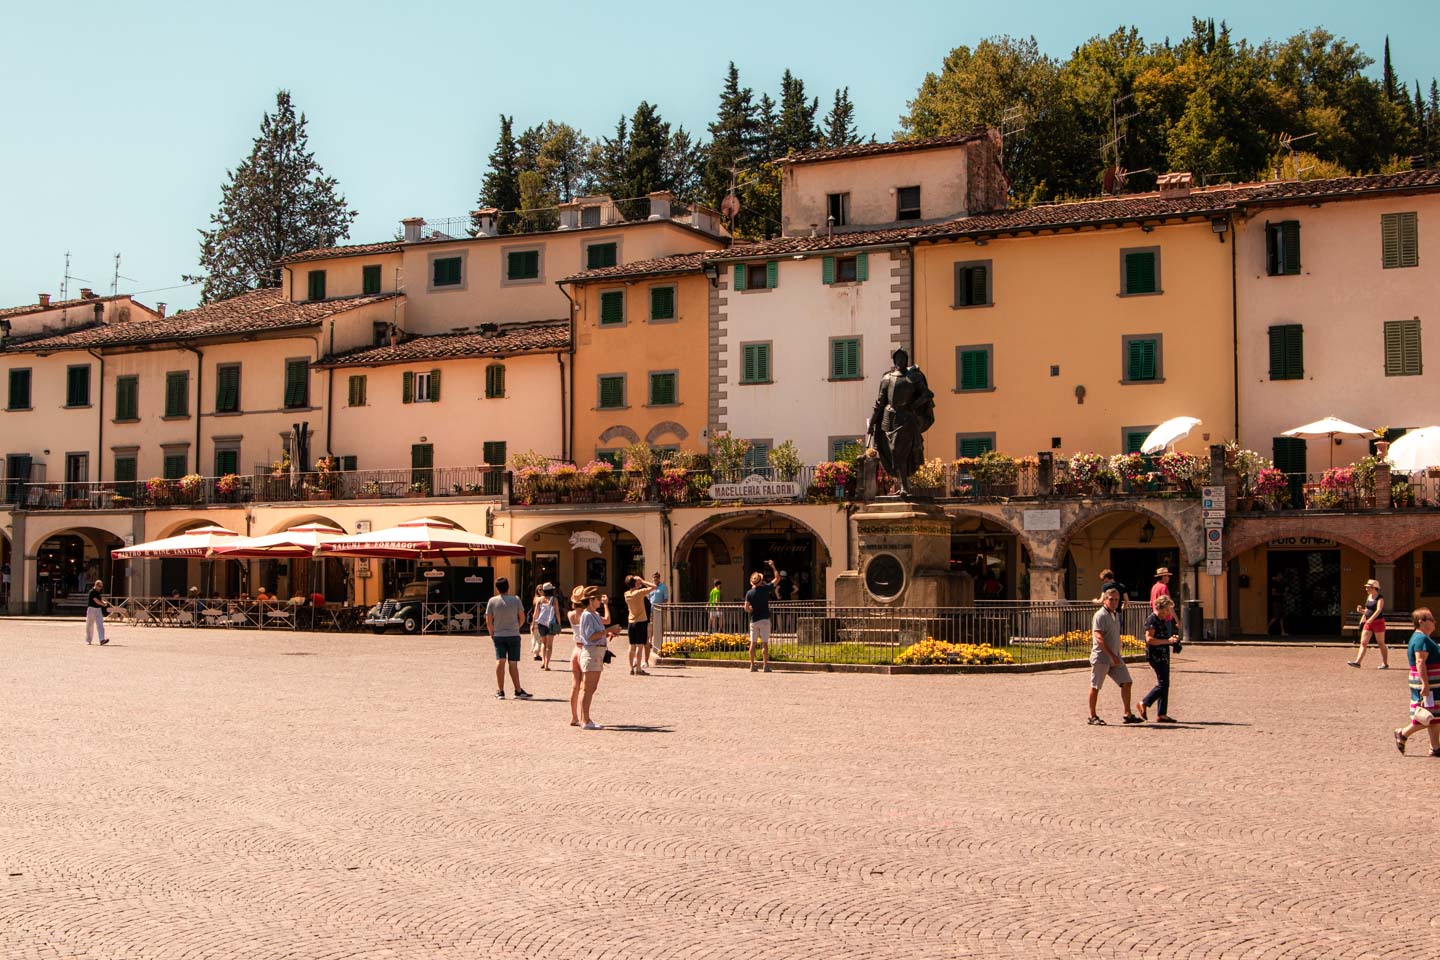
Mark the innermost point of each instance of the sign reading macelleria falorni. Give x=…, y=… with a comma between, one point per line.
x=755, y=487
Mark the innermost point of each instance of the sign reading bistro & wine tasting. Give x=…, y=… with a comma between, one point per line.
x=755, y=487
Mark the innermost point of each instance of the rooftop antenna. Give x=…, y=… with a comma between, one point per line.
x=1205, y=178
x=730, y=205
x=115, y=283
x=1012, y=122
x=1115, y=173
x=1287, y=143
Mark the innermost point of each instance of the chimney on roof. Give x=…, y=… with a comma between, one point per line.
x=161, y=307
x=484, y=221
x=569, y=216
x=44, y=299
x=87, y=294
x=1175, y=184
x=488, y=330
x=413, y=226
x=660, y=201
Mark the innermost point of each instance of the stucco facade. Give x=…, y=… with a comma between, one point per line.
x=1342, y=298
x=1056, y=326
x=659, y=347
x=797, y=322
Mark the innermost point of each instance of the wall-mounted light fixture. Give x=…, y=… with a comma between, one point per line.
x=1147, y=532
x=712, y=273
x=1219, y=226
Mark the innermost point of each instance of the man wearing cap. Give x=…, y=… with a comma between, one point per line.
x=1162, y=586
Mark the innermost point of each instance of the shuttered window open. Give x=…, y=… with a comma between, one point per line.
x=1400, y=240
x=495, y=381
x=845, y=358
x=972, y=284
x=357, y=390
x=1402, y=348
x=1282, y=248
x=1287, y=352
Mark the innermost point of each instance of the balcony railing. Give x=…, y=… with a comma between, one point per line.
x=1341, y=490
x=596, y=213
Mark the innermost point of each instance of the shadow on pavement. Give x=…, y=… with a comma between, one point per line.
x=636, y=728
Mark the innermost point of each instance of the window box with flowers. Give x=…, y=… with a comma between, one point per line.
x=159, y=492
x=563, y=478
x=673, y=484
x=600, y=475
x=191, y=488
x=227, y=488
x=833, y=475
x=418, y=490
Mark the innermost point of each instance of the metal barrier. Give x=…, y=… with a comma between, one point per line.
x=814, y=632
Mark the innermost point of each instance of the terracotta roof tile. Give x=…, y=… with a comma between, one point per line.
x=253, y=312
x=28, y=308
x=509, y=340
x=873, y=149
x=353, y=250
x=680, y=263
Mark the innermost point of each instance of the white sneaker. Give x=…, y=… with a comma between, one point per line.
x=592, y=725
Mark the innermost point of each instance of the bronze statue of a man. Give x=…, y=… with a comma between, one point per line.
x=904, y=410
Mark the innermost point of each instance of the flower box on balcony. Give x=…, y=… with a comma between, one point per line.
x=77, y=503
x=545, y=496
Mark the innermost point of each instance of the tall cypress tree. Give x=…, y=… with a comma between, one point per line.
x=795, y=130
x=501, y=187
x=732, y=135
x=278, y=201
x=644, y=163
x=1388, y=84
x=840, y=122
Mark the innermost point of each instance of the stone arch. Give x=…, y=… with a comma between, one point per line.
x=191, y=523
x=1191, y=551
x=667, y=426
x=619, y=431
x=97, y=536
x=291, y=522
x=698, y=531
x=1414, y=543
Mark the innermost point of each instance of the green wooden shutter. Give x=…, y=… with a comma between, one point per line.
x=827, y=270
x=844, y=359
x=177, y=393
x=662, y=303
x=227, y=388
x=1287, y=352
x=1409, y=240
x=1141, y=360
x=434, y=386
x=662, y=389
x=127, y=398
x=1390, y=240
x=297, y=383
x=772, y=274
x=1402, y=348
x=978, y=278
x=494, y=381
x=1140, y=272
x=19, y=390
x=494, y=453
x=370, y=281
x=862, y=267
x=612, y=307
x=748, y=373
x=1290, y=247
x=975, y=446
x=756, y=365
x=349, y=463
x=422, y=455
x=407, y=387
x=317, y=284
x=1135, y=439
x=612, y=392
x=357, y=390
x=124, y=469
x=1277, y=354
x=227, y=461
x=974, y=370
x=175, y=465
x=739, y=276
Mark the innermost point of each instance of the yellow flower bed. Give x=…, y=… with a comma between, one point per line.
x=938, y=651
x=704, y=643
x=1079, y=638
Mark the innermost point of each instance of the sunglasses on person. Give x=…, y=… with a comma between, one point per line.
x=1423, y=619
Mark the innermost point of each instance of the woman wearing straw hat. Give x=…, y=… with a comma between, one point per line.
x=1372, y=624
x=1161, y=587
x=592, y=633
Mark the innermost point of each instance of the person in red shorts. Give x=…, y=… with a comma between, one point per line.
x=1372, y=624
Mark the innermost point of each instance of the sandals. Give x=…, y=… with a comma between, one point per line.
x=1143, y=715
x=1131, y=718
x=1096, y=722
x=1400, y=741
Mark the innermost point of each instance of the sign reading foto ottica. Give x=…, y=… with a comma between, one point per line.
x=755, y=487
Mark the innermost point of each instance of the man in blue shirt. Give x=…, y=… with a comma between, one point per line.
x=661, y=594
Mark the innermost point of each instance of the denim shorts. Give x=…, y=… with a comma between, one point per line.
x=507, y=648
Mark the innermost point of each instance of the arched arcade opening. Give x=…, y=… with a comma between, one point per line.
x=729, y=546
x=1132, y=543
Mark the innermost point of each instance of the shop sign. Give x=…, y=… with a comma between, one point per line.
x=1311, y=542
x=585, y=540
x=362, y=566
x=755, y=487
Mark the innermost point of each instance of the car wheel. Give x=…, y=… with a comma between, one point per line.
x=411, y=624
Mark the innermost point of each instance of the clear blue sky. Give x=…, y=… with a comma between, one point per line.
x=120, y=120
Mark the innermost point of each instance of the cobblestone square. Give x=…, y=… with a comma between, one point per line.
x=203, y=794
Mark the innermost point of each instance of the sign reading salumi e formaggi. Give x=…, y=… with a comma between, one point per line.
x=755, y=487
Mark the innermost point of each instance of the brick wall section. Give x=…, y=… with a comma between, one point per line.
x=1382, y=536
x=902, y=318
x=719, y=381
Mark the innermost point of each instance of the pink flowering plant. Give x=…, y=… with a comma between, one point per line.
x=674, y=483
x=1130, y=467
x=833, y=474
x=1273, y=488
x=1088, y=470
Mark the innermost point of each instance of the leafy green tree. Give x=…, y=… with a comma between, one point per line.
x=277, y=201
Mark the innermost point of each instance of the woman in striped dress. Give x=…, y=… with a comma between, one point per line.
x=1424, y=656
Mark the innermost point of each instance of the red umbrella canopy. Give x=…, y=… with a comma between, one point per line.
x=424, y=539
x=202, y=542
x=295, y=543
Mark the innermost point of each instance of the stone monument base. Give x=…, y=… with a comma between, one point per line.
x=904, y=559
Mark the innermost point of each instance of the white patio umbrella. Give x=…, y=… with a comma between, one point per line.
x=200, y=543
x=1416, y=450
x=296, y=543
x=1171, y=431
x=425, y=539
x=1330, y=428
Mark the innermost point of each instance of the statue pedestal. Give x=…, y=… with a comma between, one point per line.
x=904, y=560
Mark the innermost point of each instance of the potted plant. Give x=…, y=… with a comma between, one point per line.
x=1273, y=488
x=370, y=490
x=996, y=474
x=698, y=483
x=600, y=475
x=563, y=477
x=834, y=474
x=785, y=461
x=727, y=456
x=1087, y=471
x=1401, y=495
x=191, y=486
x=158, y=491
x=225, y=487
x=673, y=484
x=418, y=489
x=930, y=477
x=1132, y=468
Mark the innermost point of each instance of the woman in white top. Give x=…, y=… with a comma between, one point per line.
x=592, y=634
x=545, y=621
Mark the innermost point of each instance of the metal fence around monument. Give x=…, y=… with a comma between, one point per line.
x=815, y=632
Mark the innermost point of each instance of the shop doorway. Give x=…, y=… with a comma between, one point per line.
x=1135, y=567
x=1305, y=587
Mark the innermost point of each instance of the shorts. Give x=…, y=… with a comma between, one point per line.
x=546, y=629
x=760, y=631
x=1118, y=672
x=639, y=633
x=590, y=659
x=507, y=648
x=1376, y=626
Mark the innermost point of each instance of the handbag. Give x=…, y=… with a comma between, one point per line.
x=1424, y=715
x=608, y=655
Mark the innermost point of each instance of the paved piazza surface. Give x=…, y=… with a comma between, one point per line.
x=204, y=794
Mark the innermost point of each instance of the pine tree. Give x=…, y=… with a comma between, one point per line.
x=767, y=130
x=1432, y=125
x=684, y=164
x=795, y=130
x=644, y=164
x=732, y=136
x=607, y=161
x=840, y=122
x=1388, y=84
x=501, y=187
x=278, y=201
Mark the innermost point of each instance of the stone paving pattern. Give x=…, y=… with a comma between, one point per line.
x=201, y=794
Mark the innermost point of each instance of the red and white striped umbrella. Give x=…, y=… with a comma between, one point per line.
x=201, y=543
x=425, y=539
x=296, y=543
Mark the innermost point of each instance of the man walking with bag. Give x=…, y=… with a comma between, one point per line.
x=95, y=609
